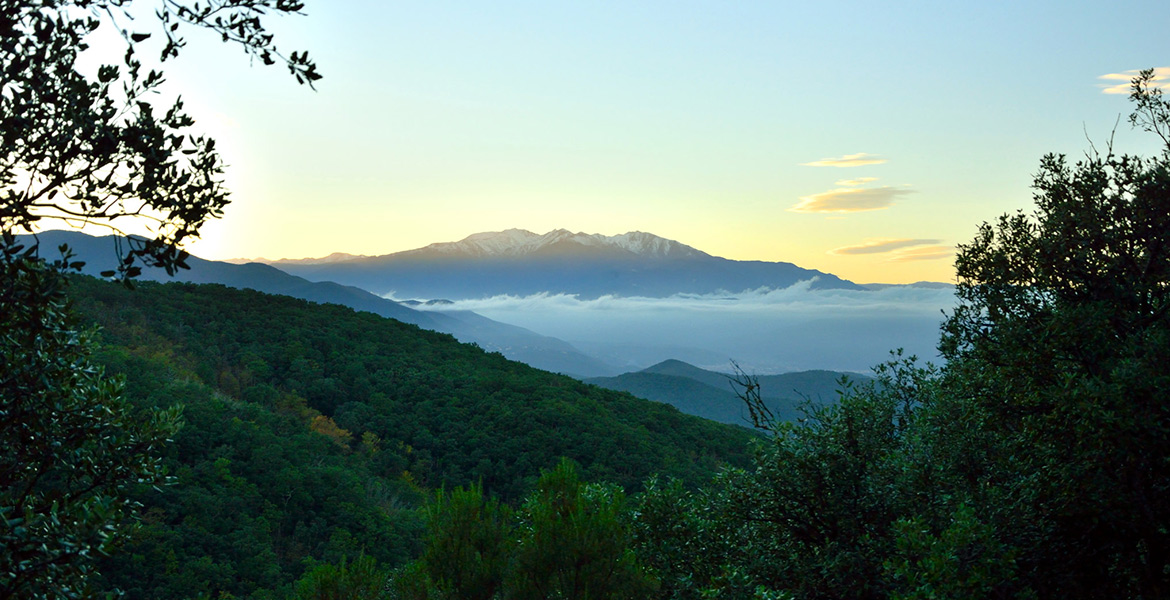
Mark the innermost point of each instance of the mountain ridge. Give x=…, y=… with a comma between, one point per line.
x=520, y=262
x=516, y=343
x=711, y=395
x=521, y=242
x=332, y=258
x=514, y=242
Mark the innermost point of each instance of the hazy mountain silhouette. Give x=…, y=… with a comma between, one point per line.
x=709, y=394
x=516, y=343
x=519, y=262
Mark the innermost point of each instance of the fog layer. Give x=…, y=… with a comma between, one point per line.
x=768, y=331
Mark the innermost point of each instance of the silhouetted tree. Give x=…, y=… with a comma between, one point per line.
x=1059, y=344
x=94, y=150
x=98, y=150
x=1034, y=463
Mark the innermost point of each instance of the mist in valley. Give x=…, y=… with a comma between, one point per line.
x=766, y=331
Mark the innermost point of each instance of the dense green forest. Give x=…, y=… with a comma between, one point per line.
x=313, y=432
x=181, y=441
x=1034, y=463
x=326, y=453
x=184, y=441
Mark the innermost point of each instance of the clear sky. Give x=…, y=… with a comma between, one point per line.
x=864, y=139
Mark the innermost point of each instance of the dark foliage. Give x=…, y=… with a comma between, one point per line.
x=98, y=150
x=70, y=444
x=1034, y=463
x=313, y=429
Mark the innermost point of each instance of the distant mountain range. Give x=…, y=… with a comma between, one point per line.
x=516, y=343
x=519, y=262
x=335, y=257
x=522, y=263
x=711, y=395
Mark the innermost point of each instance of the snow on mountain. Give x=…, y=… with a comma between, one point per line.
x=522, y=263
x=519, y=242
x=515, y=243
x=511, y=242
x=652, y=245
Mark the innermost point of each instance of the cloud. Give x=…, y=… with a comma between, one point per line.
x=847, y=200
x=798, y=298
x=882, y=246
x=856, y=182
x=849, y=160
x=766, y=330
x=1125, y=78
x=923, y=253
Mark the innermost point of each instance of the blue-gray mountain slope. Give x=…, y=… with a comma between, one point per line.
x=522, y=263
x=710, y=394
x=516, y=343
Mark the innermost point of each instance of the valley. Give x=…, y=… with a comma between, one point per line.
x=810, y=324
x=313, y=432
x=588, y=301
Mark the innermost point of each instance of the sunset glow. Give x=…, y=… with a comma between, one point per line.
x=752, y=131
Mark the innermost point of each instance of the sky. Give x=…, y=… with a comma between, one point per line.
x=863, y=139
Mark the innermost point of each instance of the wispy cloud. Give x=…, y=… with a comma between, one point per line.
x=882, y=246
x=856, y=182
x=923, y=253
x=847, y=200
x=1120, y=83
x=849, y=160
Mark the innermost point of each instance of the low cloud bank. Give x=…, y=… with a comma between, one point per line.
x=765, y=330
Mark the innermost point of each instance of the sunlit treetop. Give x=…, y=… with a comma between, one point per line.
x=99, y=149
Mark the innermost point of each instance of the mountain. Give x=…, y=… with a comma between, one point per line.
x=313, y=432
x=687, y=395
x=678, y=368
x=922, y=285
x=516, y=343
x=335, y=257
x=520, y=344
x=519, y=262
x=518, y=242
x=710, y=394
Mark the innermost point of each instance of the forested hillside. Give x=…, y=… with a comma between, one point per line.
x=311, y=432
x=101, y=254
x=1034, y=463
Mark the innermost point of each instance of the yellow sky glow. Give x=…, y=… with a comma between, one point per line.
x=612, y=118
x=882, y=246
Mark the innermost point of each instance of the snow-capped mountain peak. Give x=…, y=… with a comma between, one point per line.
x=494, y=243
x=520, y=242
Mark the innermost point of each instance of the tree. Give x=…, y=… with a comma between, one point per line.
x=694, y=544
x=97, y=150
x=70, y=445
x=576, y=542
x=87, y=150
x=1034, y=463
x=569, y=540
x=1059, y=344
x=468, y=545
x=361, y=579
